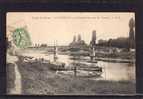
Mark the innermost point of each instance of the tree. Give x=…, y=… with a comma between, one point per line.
x=120, y=42
x=43, y=45
x=131, y=33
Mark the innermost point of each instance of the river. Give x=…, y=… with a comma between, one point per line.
x=111, y=71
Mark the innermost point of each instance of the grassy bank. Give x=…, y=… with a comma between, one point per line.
x=37, y=78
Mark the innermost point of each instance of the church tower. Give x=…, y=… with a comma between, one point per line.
x=93, y=40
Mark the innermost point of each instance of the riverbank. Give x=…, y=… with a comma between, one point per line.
x=39, y=79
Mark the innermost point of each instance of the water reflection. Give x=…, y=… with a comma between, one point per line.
x=118, y=71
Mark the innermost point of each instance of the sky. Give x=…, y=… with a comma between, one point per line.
x=48, y=27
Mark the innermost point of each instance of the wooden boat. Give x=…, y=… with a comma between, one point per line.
x=56, y=66
x=92, y=61
x=80, y=73
x=88, y=67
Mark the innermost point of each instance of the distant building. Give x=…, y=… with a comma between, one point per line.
x=78, y=44
x=93, y=40
x=74, y=39
x=79, y=38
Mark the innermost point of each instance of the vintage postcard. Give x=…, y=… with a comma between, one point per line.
x=70, y=53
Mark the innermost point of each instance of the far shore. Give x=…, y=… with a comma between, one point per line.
x=122, y=57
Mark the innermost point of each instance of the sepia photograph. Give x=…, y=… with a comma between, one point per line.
x=70, y=53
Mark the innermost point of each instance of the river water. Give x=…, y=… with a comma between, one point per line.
x=111, y=71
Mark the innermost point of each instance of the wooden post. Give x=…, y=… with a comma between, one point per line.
x=75, y=71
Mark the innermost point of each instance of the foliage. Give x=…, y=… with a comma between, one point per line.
x=120, y=42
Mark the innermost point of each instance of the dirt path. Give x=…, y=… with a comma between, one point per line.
x=17, y=82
